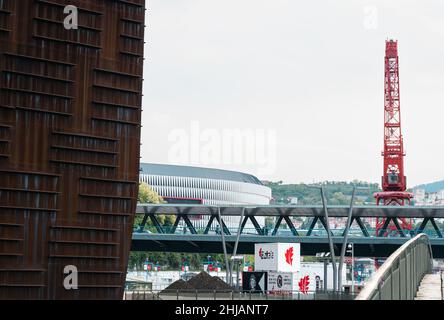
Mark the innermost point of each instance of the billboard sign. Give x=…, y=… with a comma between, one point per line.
x=254, y=281
x=282, y=257
x=280, y=281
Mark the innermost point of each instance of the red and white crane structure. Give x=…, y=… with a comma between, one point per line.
x=394, y=183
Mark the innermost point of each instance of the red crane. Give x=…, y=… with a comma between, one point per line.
x=393, y=179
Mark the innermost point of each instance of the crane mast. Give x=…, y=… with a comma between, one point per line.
x=393, y=182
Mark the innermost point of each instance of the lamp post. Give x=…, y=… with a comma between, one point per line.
x=238, y=261
x=324, y=257
x=330, y=237
x=344, y=245
x=351, y=249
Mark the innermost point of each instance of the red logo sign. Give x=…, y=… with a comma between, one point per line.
x=289, y=256
x=266, y=254
x=303, y=284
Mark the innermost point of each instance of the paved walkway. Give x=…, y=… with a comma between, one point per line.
x=430, y=288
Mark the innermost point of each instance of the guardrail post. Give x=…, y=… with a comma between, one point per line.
x=412, y=278
x=391, y=283
x=442, y=287
x=399, y=278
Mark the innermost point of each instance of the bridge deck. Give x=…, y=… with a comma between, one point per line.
x=431, y=288
x=364, y=246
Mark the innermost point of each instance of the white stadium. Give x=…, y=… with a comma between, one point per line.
x=186, y=184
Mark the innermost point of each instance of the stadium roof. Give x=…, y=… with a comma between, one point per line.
x=196, y=172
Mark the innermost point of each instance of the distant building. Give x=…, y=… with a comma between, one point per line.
x=292, y=200
x=419, y=195
x=186, y=184
x=422, y=198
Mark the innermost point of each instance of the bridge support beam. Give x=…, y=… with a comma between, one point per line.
x=176, y=223
x=189, y=224
x=277, y=224
x=222, y=233
x=424, y=223
x=236, y=243
x=156, y=223
x=256, y=226
x=244, y=222
x=396, y=223
x=362, y=226
x=208, y=227
x=312, y=225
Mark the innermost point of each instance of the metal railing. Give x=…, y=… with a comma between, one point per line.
x=315, y=232
x=401, y=274
x=428, y=220
x=200, y=294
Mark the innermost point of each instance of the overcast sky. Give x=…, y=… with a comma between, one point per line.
x=303, y=79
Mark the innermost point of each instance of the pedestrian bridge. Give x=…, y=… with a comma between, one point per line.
x=187, y=234
x=406, y=275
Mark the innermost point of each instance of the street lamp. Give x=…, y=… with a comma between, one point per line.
x=238, y=261
x=329, y=235
x=351, y=249
x=324, y=257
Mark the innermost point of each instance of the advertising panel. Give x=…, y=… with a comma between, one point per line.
x=280, y=281
x=254, y=281
x=282, y=257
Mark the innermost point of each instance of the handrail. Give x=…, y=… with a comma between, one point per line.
x=361, y=211
x=233, y=294
x=400, y=275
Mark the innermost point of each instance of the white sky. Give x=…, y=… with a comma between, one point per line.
x=311, y=72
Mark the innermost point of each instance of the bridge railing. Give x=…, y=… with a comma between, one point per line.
x=400, y=275
x=204, y=219
x=338, y=232
x=231, y=294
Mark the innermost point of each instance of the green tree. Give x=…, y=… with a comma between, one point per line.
x=148, y=195
x=337, y=192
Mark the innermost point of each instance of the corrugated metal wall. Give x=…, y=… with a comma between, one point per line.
x=70, y=111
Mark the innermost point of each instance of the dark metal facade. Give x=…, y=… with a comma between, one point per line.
x=70, y=111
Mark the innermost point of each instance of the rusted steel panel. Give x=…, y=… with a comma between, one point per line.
x=70, y=111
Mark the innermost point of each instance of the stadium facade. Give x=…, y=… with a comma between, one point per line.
x=186, y=184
